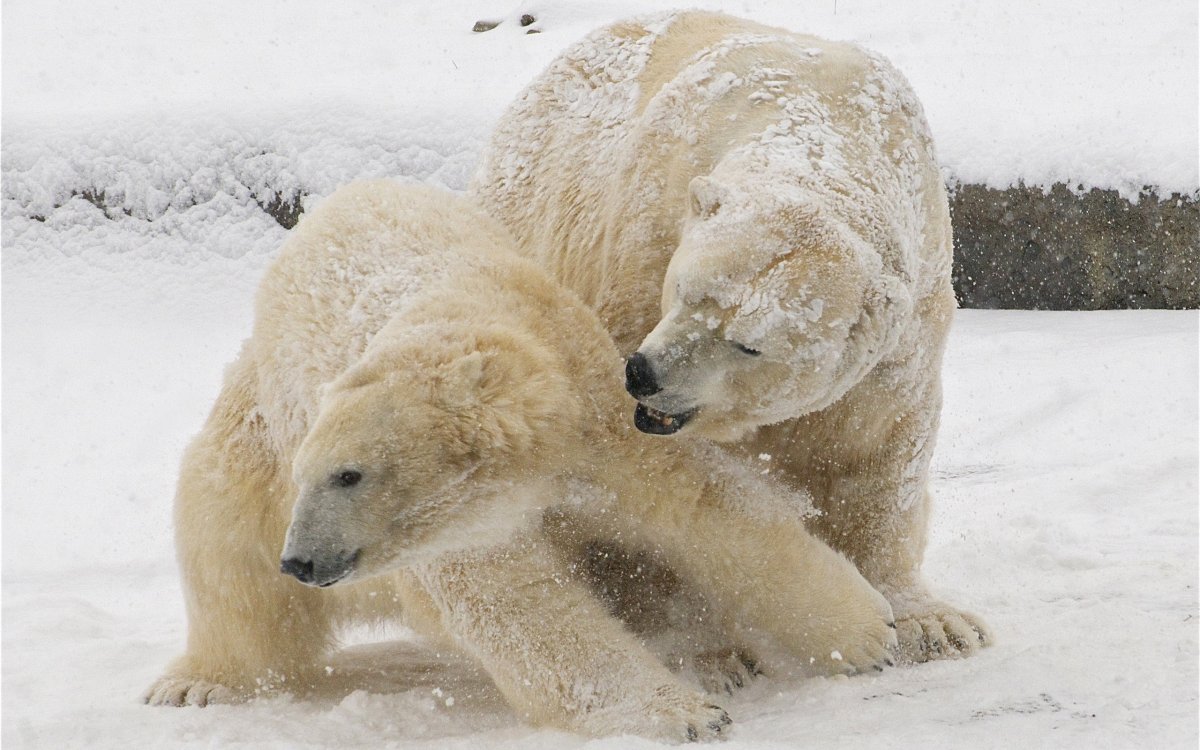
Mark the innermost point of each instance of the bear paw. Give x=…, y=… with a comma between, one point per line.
x=686, y=717
x=725, y=670
x=187, y=690
x=861, y=640
x=929, y=629
x=862, y=649
x=673, y=714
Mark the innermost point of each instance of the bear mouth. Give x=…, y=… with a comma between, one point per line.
x=338, y=579
x=655, y=422
x=339, y=575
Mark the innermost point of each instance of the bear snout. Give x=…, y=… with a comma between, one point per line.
x=301, y=569
x=320, y=572
x=640, y=379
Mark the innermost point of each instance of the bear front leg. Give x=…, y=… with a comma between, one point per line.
x=888, y=547
x=927, y=627
x=783, y=589
x=554, y=652
x=250, y=628
x=672, y=618
x=875, y=508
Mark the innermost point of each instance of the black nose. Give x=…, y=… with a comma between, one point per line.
x=302, y=569
x=639, y=377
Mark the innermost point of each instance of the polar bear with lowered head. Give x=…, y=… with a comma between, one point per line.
x=758, y=218
x=423, y=425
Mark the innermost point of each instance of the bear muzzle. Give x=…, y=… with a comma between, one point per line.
x=320, y=572
x=642, y=382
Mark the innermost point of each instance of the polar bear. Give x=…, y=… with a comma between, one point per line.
x=758, y=218
x=423, y=425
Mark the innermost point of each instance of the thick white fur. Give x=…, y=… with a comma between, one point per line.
x=705, y=182
x=398, y=334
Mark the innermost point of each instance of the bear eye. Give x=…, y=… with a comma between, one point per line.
x=746, y=350
x=347, y=478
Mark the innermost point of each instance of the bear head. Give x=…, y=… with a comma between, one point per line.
x=770, y=310
x=440, y=440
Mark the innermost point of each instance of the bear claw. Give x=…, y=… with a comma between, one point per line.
x=724, y=671
x=940, y=632
x=706, y=722
x=186, y=691
x=716, y=726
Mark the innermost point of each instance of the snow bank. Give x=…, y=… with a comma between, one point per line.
x=163, y=102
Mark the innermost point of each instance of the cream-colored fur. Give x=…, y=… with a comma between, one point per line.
x=760, y=215
x=426, y=420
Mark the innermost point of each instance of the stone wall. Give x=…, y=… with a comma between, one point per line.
x=1021, y=248
x=1027, y=248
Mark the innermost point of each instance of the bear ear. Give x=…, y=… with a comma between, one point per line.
x=704, y=196
x=461, y=381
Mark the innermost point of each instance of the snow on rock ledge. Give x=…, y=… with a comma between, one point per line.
x=150, y=171
x=1068, y=129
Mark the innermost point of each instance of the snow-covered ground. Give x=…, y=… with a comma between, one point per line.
x=1066, y=474
x=1066, y=513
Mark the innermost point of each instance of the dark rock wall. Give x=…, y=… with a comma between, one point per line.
x=1021, y=248
x=1026, y=248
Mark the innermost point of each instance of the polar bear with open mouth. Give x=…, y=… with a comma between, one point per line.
x=758, y=218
